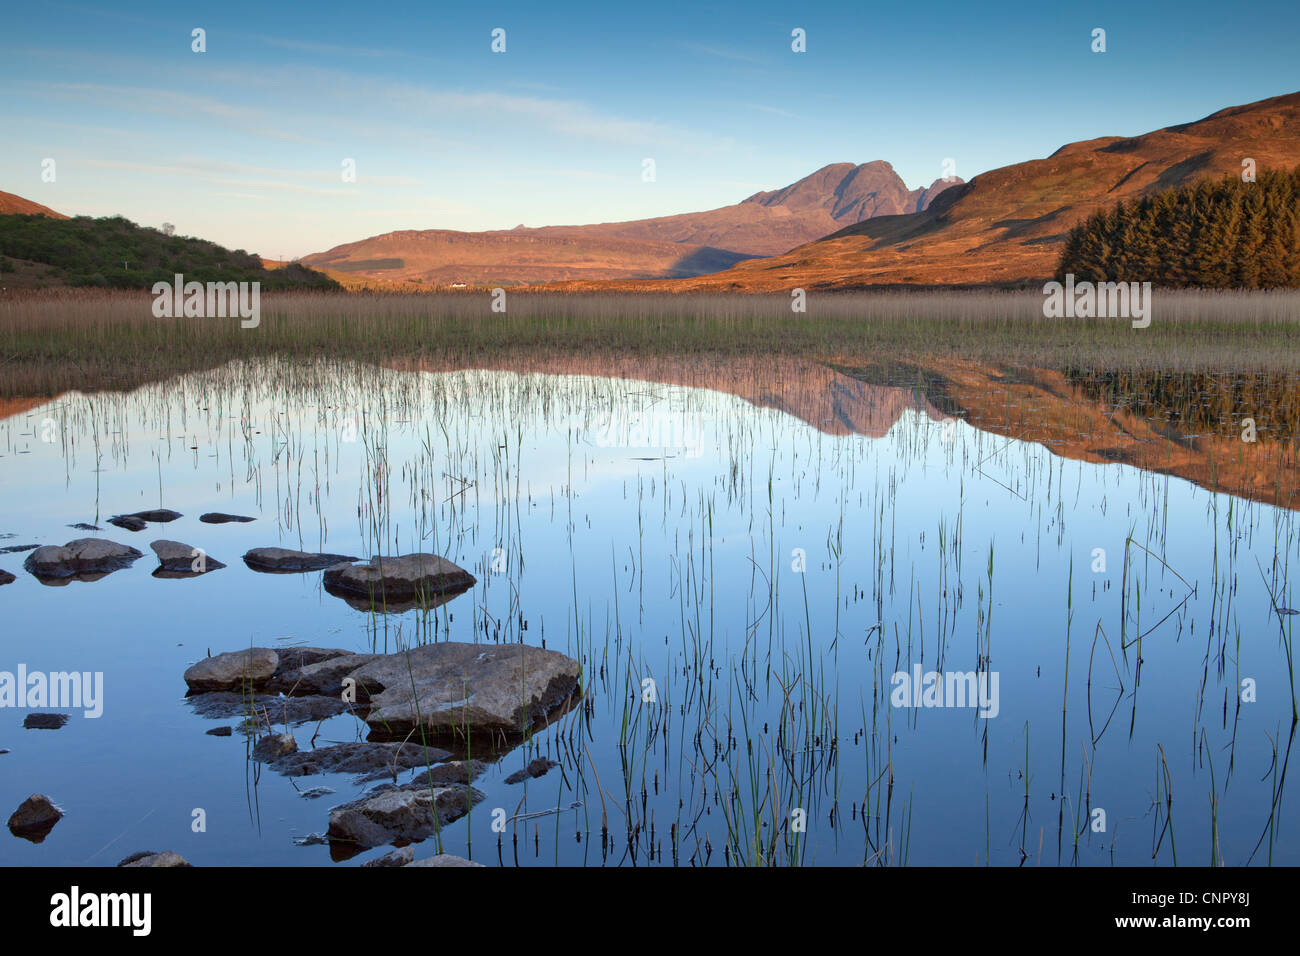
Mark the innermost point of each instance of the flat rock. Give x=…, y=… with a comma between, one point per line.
x=183, y=560
x=536, y=768
x=128, y=522
x=219, y=517
x=417, y=578
x=151, y=859
x=45, y=721
x=455, y=689
x=233, y=670
x=286, y=561
x=84, y=526
x=34, y=818
x=18, y=548
x=84, y=556
x=444, y=859
x=6, y=578
x=389, y=814
x=368, y=760
x=318, y=676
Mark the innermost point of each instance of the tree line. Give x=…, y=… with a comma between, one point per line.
x=1224, y=234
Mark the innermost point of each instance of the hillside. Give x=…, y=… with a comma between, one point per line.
x=1008, y=226
x=11, y=205
x=114, y=252
x=685, y=245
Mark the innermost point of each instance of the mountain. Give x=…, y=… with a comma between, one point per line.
x=1008, y=226
x=690, y=244
x=11, y=205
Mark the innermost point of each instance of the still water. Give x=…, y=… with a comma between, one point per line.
x=823, y=618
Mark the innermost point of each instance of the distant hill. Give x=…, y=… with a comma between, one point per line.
x=11, y=205
x=116, y=253
x=1009, y=225
x=690, y=244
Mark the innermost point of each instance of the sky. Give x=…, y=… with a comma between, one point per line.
x=248, y=142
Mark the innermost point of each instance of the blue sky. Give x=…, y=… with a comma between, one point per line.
x=244, y=144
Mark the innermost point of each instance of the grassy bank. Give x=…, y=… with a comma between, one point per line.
x=83, y=339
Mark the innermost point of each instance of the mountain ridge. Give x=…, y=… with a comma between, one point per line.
x=664, y=247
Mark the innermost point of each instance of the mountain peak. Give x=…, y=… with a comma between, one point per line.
x=851, y=193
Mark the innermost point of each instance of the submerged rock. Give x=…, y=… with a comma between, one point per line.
x=218, y=517
x=368, y=760
x=273, y=747
x=233, y=670
x=80, y=558
x=456, y=689
x=219, y=732
x=265, y=708
x=286, y=561
x=6, y=578
x=409, y=578
x=536, y=768
x=181, y=560
x=157, y=515
x=45, y=721
x=387, y=814
x=83, y=526
x=128, y=522
x=18, y=548
x=34, y=818
x=151, y=859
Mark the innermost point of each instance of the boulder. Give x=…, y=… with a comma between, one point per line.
x=151, y=859
x=286, y=561
x=417, y=578
x=218, y=517
x=179, y=560
x=84, y=556
x=34, y=818
x=128, y=522
x=233, y=670
x=497, y=691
